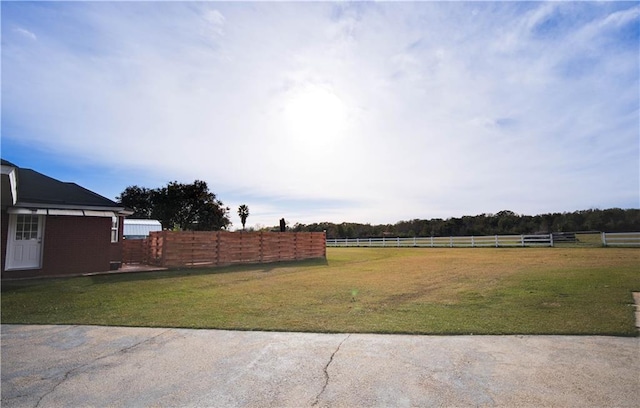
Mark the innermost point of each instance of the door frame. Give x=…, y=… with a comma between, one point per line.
x=12, y=242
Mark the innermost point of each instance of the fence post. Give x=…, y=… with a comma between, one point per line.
x=261, y=246
x=473, y=244
x=369, y=241
x=604, y=238
x=145, y=250
x=218, y=247
x=414, y=241
x=451, y=242
x=164, y=246
x=295, y=246
x=522, y=240
x=398, y=242
x=432, y=241
x=324, y=250
x=383, y=241
x=551, y=239
x=497, y=244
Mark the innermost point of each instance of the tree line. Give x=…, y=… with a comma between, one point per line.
x=503, y=223
x=194, y=207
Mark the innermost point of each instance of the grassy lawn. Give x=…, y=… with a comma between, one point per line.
x=407, y=290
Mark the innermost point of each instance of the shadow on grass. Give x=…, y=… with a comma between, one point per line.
x=209, y=270
x=9, y=286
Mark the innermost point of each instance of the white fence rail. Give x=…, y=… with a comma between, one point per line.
x=447, y=242
x=628, y=239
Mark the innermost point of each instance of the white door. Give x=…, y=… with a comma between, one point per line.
x=24, y=243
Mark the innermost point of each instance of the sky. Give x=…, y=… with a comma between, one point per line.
x=341, y=112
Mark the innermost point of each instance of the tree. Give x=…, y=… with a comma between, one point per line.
x=177, y=205
x=138, y=199
x=243, y=212
x=507, y=222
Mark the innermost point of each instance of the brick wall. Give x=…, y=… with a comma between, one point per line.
x=75, y=245
x=72, y=245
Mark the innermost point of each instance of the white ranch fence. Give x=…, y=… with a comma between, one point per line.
x=628, y=239
x=496, y=241
x=446, y=242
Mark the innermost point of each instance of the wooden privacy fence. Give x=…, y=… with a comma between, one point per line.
x=218, y=248
x=135, y=251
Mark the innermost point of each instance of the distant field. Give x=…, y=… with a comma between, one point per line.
x=385, y=290
x=594, y=240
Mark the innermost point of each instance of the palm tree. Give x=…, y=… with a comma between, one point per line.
x=243, y=212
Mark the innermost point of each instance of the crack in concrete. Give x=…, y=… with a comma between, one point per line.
x=326, y=371
x=121, y=351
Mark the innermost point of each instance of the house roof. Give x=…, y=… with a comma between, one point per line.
x=7, y=163
x=35, y=190
x=34, y=187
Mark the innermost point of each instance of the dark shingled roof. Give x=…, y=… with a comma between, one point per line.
x=7, y=163
x=35, y=188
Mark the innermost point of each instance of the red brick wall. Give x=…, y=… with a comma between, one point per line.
x=72, y=245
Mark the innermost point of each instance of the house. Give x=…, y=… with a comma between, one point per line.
x=140, y=229
x=53, y=228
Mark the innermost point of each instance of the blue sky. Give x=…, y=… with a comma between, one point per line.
x=363, y=112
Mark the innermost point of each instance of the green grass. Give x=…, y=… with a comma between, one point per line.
x=384, y=290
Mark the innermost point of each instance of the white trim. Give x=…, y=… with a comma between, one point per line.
x=100, y=214
x=7, y=169
x=115, y=228
x=17, y=210
x=119, y=210
x=10, y=171
x=77, y=213
x=53, y=211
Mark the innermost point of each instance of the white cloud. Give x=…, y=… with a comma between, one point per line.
x=26, y=33
x=341, y=112
x=216, y=19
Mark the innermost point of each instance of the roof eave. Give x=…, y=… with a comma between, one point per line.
x=120, y=210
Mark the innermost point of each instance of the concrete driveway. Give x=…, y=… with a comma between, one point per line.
x=78, y=366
